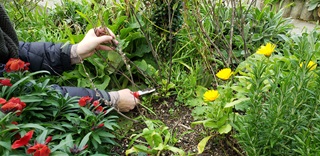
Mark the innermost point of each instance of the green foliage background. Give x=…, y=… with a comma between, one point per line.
x=270, y=106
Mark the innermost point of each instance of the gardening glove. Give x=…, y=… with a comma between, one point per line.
x=123, y=100
x=93, y=41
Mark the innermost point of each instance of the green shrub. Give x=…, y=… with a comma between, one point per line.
x=281, y=117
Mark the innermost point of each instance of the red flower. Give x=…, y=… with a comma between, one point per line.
x=99, y=108
x=23, y=141
x=2, y=101
x=39, y=150
x=16, y=65
x=84, y=100
x=5, y=82
x=14, y=104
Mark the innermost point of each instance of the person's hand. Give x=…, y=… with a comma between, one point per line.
x=93, y=41
x=125, y=101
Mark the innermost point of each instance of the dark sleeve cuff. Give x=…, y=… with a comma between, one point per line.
x=65, y=57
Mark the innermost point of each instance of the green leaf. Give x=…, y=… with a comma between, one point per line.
x=118, y=23
x=125, y=31
x=6, y=145
x=42, y=137
x=225, y=129
x=157, y=139
x=32, y=98
x=106, y=134
x=84, y=140
x=62, y=143
x=86, y=111
x=105, y=82
x=131, y=150
x=142, y=148
x=176, y=150
x=96, y=138
x=30, y=125
x=233, y=103
x=58, y=153
x=202, y=144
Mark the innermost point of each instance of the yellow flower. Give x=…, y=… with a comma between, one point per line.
x=224, y=74
x=210, y=95
x=312, y=65
x=266, y=50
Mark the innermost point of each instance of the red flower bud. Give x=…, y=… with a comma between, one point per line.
x=49, y=138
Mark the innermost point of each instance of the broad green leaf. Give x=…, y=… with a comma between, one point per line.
x=210, y=124
x=115, y=58
x=233, y=103
x=118, y=22
x=6, y=145
x=202, y=144
x=125, y=31
x=225, y=129
x=157, y=139
x=105, y=82
x=84, y=140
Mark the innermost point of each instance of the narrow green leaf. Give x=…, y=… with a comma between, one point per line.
x=60, y=145
x=176, y=150
x=233, y=103
x=33, y=126
x=84, y=140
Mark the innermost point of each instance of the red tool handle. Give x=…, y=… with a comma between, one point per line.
x=136, y=94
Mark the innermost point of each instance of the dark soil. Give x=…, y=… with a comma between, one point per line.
x=178, y=119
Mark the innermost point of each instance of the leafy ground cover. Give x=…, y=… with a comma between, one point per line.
x=230, y=80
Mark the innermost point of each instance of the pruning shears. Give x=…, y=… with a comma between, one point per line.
x=143, y=92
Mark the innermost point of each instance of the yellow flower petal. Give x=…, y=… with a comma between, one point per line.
x=266, y=50
x=210, y=95
x=224, y=74
x=311, y=65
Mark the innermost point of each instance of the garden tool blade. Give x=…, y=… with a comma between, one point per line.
x=143, y=92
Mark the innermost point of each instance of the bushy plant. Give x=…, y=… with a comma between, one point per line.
x=31, y=110
x=158, y=140
x=281, y=113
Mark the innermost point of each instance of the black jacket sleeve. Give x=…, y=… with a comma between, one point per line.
x=80, y=92
x=52, y=57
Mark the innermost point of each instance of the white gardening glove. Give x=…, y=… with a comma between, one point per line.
x=93, y=41
x=123, y=100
